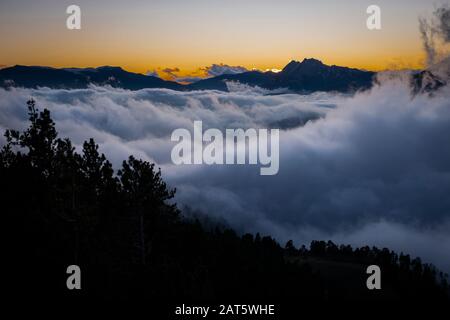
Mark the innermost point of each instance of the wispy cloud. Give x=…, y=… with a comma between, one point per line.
x=178, y=75
x=220, y=69
x=435, y=33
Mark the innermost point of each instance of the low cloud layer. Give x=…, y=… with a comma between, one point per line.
x=372, y=169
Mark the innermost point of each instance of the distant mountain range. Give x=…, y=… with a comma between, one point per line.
x=307, y=76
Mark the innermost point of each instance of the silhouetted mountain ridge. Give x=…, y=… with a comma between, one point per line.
x=307, y=76
x=76, y=78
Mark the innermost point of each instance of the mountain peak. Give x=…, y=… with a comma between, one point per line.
x=293, y=65
x=110, y=68
x=312, y=61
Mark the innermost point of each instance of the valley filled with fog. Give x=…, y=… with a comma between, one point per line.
x=371, y=168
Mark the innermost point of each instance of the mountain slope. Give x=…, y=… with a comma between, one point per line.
x=73, y=78
x=312, y=75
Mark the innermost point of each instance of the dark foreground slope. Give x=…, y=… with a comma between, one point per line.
x=62, y=208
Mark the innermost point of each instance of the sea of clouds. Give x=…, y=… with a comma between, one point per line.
x=366, y=169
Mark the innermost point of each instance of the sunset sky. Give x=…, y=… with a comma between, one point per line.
x=141, y=35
